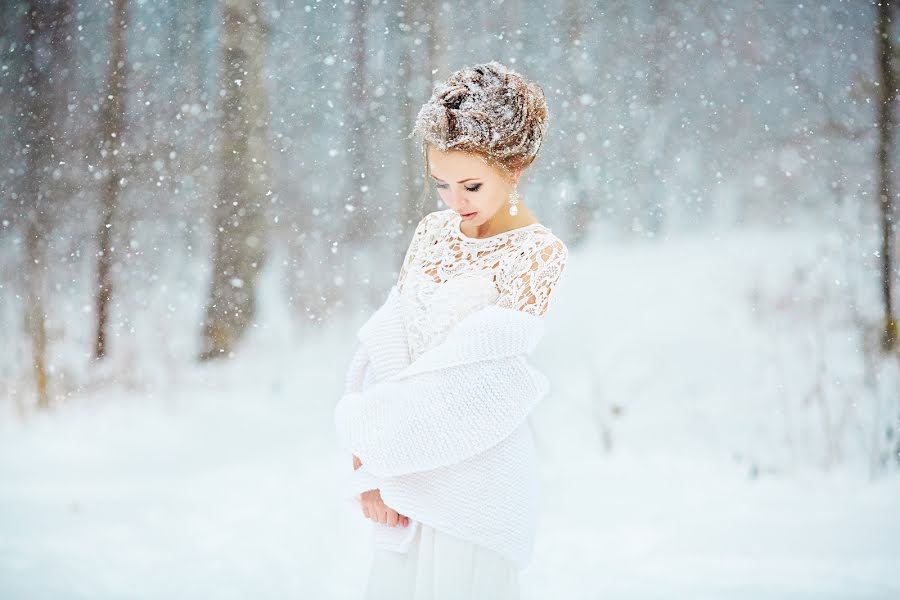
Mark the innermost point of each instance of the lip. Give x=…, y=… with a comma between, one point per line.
x=470, y=215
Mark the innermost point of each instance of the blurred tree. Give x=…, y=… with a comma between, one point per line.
x=358, y=133
x=580, y=209
x=241, y=238
x=887, y=70
x=46, y=56
x=418, y=75
x=411, y=204
x=112, y=127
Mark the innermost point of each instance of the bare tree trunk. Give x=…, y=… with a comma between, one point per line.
x=413, y=71
x=887, y=62
x=357, y=140
x=409, y=202
x=886, y=125
x=241, y=237
x=187, y=48
x=581, y=210
x=35, y=312
x=112, y=125
x=435, y=46
x=46, y=51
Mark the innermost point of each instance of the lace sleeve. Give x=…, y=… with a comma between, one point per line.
x=413, y=249
x=537, y=273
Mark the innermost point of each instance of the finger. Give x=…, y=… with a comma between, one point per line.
x=382, y=515
x=356, y=462
x=392, y=517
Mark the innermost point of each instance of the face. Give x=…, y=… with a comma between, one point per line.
x=468, y=184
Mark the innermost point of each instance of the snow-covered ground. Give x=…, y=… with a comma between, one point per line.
x=680, y=455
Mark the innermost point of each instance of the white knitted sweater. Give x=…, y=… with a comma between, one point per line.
x=440, y=426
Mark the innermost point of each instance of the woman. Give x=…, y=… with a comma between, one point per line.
x=484, y=260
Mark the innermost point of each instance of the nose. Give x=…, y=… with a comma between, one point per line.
x=458, y=201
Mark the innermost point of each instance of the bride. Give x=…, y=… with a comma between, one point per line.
x=439, y=390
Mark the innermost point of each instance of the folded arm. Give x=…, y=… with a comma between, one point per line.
x=437, y=418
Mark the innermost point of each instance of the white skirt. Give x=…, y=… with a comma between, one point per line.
x=440, y=566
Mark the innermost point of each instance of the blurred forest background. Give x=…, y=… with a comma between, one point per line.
x=147, y=142
x=159, y=158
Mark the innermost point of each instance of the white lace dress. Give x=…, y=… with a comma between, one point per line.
x=446, y=275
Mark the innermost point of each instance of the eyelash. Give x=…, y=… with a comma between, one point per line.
x=476, y=187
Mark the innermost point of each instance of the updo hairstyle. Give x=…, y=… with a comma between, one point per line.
x=488, y=110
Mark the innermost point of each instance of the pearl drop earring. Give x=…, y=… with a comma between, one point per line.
x=513, y=201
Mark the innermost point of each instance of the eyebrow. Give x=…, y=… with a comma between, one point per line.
x=463, y=181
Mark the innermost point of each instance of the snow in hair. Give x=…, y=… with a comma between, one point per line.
x=486, y=109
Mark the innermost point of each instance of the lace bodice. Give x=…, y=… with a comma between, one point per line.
x=447, y=274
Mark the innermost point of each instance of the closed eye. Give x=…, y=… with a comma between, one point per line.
x=475, y=187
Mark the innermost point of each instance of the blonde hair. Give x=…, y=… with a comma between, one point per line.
x=486, y=109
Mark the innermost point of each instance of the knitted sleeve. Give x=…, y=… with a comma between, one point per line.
x=415, y=245
x=438, y=418
x=357, y=481
x=535, y=277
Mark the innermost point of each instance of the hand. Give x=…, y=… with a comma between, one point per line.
x=356, y=462
x=374, y=508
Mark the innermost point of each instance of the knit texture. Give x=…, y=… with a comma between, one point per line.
x=439, y=389
x=446, y=438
